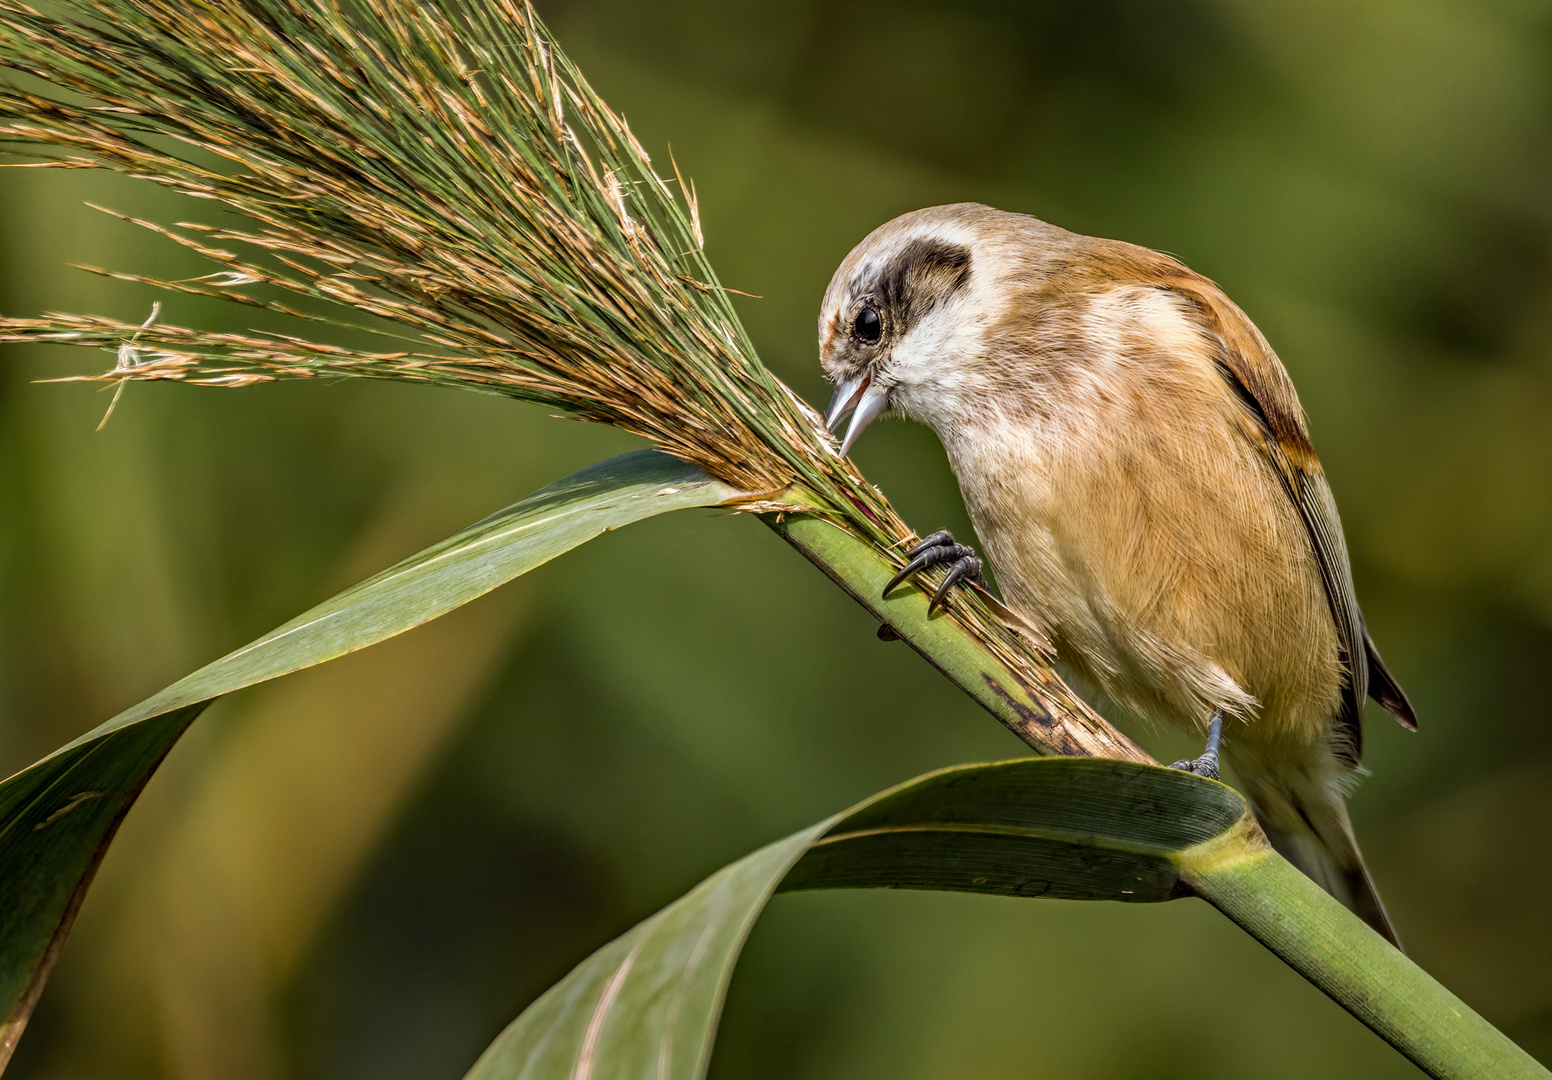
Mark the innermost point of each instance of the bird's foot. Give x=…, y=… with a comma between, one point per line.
x=1207, y=764
x=935, y=550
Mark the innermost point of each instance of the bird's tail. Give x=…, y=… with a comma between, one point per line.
x=1306, y=821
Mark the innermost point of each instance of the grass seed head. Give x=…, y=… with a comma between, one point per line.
x=441, y=176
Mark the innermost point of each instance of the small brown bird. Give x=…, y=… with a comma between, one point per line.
x=1139, y=470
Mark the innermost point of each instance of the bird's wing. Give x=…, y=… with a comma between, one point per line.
x=1257, y=377
x=1384, y=688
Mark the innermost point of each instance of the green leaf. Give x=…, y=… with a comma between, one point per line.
x=647, y=1004
x=58, y=816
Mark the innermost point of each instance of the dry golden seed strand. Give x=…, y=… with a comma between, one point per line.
x=481, y=196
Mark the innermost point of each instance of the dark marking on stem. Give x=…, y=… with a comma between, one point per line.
x=1053, y=735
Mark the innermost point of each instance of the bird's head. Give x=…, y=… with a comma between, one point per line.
x=894, y=316
x=907, y=322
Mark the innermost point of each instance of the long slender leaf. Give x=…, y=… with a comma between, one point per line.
x=647, y=1004
x=58, y=816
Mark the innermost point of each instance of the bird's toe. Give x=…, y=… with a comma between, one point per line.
x=939, y=549
x=1206, y=765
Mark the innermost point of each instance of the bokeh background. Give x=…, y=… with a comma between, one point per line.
x=366, y=870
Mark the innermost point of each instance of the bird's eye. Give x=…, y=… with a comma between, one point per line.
x=869, y=327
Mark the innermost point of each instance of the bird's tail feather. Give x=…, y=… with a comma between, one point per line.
x=1309, y=827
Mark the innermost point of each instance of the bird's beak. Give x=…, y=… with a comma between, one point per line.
x=860, y=398
x=845, y=399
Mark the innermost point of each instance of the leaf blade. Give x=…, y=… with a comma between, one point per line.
x=58, y=816
x=1190, y=836
x=572, y=1031
x=63, y=811
x=448, y=574
x=1090, y=829
x=648, y=1002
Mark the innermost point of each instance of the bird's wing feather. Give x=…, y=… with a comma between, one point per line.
x=1317, y=507
x=1384, y=688
x=1263, y=387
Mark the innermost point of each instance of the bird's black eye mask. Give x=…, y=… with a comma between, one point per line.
x=899, y=294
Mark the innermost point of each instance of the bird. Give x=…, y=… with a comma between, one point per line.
x=1139, y=472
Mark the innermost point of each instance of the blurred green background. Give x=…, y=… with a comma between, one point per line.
x=366, y=870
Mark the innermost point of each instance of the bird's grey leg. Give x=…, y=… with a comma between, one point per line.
x=1207, y=764
x=935, y=550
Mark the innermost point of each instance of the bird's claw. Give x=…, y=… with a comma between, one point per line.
x=935, y=550
x=1206, y=765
